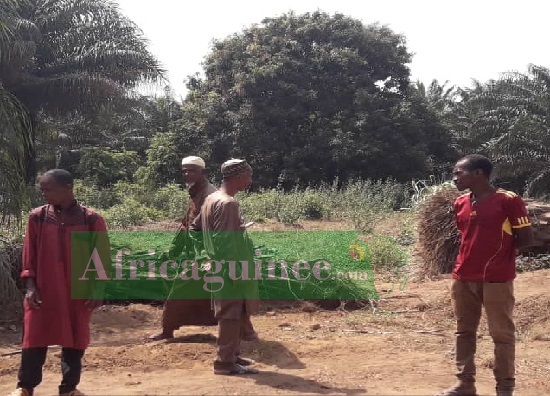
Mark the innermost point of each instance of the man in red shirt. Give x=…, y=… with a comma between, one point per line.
x=493, y=224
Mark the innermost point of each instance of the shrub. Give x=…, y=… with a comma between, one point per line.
x=290, y=209
x=385, y=252
x=96, y=197
x=162, y=162
x=127, y=163
x=124, y=190
x=10, y=268
x=171, y=200
x=260, y=206
x=97, y=167
x=130, y=213
x=313, y=205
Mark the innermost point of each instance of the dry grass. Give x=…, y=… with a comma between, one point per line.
x=438, y=238
x=10, y=295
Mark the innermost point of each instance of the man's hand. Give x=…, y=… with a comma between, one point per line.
x=33, y=298
x=93, y=304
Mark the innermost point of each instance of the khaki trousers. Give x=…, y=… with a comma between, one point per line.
x=498, y=300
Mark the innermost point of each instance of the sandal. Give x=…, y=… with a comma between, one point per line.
x=158, y=337
x=237, y=369
x=244, y=361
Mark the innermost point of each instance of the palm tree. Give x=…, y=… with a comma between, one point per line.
x=60, y=57
x=87, y=52
x=16, y=132
x=509, y=120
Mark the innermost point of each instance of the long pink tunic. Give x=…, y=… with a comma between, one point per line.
x=60, y=320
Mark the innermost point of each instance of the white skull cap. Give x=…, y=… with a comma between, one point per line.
x=193, y=160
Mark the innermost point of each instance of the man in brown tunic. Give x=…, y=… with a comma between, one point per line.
x=179, y=312
x=225, y=240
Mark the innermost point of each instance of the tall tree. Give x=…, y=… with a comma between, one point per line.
x=311, y=96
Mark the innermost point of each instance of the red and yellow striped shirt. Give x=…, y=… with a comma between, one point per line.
x=487, y=250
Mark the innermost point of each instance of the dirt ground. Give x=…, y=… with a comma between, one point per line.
x=404, y=346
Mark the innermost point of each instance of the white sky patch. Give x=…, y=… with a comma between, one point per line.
x=455, y=41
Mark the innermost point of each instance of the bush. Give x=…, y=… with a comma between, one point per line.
x=127, y=163
x=385, y=252
x=10, y=284
x=95, y=197
x=101, y=167
x=313, y=206
x=124, y=190
x=97, y=167
x=365, y=202
x=260, y=206
x=290, y=209
x=171, y=200
x=130, y=213
x=162, y=162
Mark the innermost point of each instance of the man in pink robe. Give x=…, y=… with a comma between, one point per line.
x=51, y=315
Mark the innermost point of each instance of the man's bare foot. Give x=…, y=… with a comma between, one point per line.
x=160, y=336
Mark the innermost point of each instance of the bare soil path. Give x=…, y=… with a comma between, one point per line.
x=404, y=347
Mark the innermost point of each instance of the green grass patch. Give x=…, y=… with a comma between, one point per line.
x=306, y=254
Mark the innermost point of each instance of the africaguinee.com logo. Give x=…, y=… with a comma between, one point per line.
x=265, y=265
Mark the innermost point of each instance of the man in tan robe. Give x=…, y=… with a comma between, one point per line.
x=179, y=312
x=225, y=240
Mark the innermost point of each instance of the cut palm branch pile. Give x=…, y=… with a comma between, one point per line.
x=539, y=214
x=438, y=238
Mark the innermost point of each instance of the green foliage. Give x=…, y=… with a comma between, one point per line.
x=171, y=200
x=97, y=166
x=313, y=205
x=62, y=58
x=365, y=202
x=127, y=163
x=286, y=207
x=102, y=167
x=290, y=209
x=16, y=144
x=92, y=196
x=130, y=212
x=385, y=253
x=166, y=203
x=312, y=96
x=362, y=202
x=508, y=120
x=162, y=162
x=260, y=206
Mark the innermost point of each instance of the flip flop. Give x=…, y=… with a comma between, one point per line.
x=237, y=369
x=157, y=337
x=245, y=361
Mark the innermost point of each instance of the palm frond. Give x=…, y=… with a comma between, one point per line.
x=80, y=91
x=16, y=141
x=539, y=184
